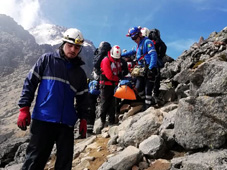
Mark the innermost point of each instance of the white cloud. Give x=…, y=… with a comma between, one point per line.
x=25, y=12
x=181, y=45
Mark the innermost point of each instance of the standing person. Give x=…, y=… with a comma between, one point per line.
x=93, y=94
x=60, y=78
x=111, y=68
x=146, y=57
x=160, y=46
x=93, y=86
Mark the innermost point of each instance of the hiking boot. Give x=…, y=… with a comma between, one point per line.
x=158, y=101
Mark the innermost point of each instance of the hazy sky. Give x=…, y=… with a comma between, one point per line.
x=181, y=22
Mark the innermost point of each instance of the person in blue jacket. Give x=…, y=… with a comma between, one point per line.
x=59, y=78
x=146, y=57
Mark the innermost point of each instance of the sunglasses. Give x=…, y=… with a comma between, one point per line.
x=135, y=37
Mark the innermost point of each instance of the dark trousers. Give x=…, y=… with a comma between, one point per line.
x=144, y=87
x=107, y=104
x=43, y=137
x=157, y=83
x=91, y=111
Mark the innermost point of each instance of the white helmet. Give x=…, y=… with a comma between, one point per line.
x=115, y=52
x=73, y=36
x=145, y=31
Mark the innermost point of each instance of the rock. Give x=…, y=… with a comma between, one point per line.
x=201, y=161
x=123, y=160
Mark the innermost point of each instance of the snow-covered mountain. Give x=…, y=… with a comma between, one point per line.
x=48, y=34
x=51, y=34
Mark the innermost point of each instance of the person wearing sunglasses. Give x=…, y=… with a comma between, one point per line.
x=59, y=78
x=146, y=58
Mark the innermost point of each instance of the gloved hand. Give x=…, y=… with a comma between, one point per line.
x=83, y=128
x=151, y=73
x=24, y=118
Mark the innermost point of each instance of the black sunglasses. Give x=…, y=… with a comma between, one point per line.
x=135, y=37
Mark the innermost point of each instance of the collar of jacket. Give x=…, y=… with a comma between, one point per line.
x=111, y=58
x=142, y=41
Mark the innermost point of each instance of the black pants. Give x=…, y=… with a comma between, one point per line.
x=144, y=87
x=91, y=111
x=108, y=104
x=157, y=83
x=43, y=137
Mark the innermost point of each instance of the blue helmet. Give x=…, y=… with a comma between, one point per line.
x=133, y=31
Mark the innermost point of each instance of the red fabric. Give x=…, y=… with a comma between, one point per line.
x=83, y=128
x=24, y=118
x=109, y=71
x=130, y=66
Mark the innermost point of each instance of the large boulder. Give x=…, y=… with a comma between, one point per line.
x=201, y=122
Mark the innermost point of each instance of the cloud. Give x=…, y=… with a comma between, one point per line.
x=25, y=12
x=181, y=45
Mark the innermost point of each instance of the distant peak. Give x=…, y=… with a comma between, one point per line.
x=48, y=33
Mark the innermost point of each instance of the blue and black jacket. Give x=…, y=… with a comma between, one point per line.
x=60, y=81
x=145, y=53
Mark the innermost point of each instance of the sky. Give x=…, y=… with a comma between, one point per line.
x=181, y=22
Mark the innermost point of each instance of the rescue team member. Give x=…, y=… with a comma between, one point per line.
x=60, y=79
x=111, y=68
x=146, y=57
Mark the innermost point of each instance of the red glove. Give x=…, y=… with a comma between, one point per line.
x=24, y=118
x=83, y=128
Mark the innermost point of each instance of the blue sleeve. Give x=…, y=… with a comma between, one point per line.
x=31, y=83
x=151, y=57
x=129, y=53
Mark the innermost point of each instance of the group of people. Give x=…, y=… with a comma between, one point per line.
x=117, y=65
x=59, y=78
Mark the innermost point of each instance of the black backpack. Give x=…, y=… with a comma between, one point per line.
x=100, y=53
x=160, y=46
x=154, y=34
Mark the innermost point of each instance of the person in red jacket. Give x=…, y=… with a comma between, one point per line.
x=111, y=68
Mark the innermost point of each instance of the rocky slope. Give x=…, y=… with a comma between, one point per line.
x=187, y=131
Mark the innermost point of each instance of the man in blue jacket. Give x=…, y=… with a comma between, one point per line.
x=59, y=79
x=146, y=57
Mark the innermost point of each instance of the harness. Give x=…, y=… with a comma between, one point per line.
x=142, y=55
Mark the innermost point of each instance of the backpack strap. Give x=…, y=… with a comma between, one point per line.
x=141, y=52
